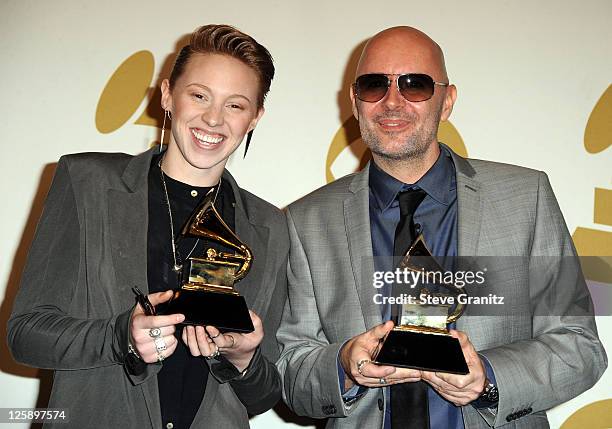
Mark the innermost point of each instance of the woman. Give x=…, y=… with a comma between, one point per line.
x=111, y=222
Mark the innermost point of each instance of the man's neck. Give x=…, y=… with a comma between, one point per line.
x=409, y=170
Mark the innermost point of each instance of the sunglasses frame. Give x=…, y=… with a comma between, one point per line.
x=397, y=77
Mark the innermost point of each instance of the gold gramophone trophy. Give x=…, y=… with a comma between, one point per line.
x=206, y=295
x=420, y=338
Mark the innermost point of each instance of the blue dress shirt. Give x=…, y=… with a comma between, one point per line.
x=436, y=219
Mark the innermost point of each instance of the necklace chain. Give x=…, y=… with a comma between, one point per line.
x=178, y=265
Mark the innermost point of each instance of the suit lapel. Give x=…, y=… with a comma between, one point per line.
x=469, y=217
x=469, y=207
x=129, y=245
x=255, y=235
x=357, y=224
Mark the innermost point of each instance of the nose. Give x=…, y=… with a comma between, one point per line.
x=393, y=99
x=213, y=115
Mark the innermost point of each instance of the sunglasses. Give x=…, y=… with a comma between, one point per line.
x=412, y=86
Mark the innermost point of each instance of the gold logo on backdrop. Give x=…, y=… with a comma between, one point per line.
x=589, y=241
x=595, y=415
x=125, y=91
x=348, y=136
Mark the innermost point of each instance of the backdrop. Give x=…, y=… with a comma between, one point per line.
x=534, y=83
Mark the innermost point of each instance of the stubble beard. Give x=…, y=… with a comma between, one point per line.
x=414, y=146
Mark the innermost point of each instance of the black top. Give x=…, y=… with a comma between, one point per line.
x=182, y=379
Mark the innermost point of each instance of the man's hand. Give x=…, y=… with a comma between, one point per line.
x=142, y=328
x=356, y=356
x=460, y=389
x=236, y=347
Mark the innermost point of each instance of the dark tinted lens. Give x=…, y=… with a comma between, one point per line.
x=371, y=87
x=416, y=87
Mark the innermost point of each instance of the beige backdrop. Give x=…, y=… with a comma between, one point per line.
x=534, y=82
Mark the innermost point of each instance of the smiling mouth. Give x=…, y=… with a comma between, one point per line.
x=393, y=124
x=206, y=138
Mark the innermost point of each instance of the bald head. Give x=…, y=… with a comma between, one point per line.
x=399, y=50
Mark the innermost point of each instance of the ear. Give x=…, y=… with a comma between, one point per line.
x=354, y=103
x=166, y=98
x=256, y=119
x=449, y=102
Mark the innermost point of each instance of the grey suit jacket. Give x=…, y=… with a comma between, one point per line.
x=539, y=361
x=73, y=307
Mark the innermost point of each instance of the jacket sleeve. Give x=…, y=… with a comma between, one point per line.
x=564, y=357
x=308, y=362
x=41, y=331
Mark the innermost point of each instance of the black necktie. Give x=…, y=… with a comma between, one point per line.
x=409, y=408
x=404, y=233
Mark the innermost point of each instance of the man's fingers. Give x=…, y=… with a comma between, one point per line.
x=372, y=370
x=144, y=335
x=149, y=322
x=407, y=373
x=148, y=350
x=379, y=331
x=192, y=342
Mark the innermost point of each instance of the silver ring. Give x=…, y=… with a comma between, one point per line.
x=154, y=332
x=160, y=344
x=160, y=357
x=215, y=336
x=382, y=380
x=214, y=354
x=361, y=364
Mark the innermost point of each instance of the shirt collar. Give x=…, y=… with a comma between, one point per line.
x=439, y=182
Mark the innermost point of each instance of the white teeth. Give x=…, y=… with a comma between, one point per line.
x=206, y=138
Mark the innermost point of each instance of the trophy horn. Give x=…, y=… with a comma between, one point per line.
x=207, y=223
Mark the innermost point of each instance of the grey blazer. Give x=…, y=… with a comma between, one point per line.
x=73, y=307
x=539, y=361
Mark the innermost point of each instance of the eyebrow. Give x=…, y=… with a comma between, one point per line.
x=199, y=85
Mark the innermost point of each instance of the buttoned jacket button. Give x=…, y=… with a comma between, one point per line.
x=380, y=404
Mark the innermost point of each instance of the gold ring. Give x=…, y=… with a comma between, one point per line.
x=361, y=364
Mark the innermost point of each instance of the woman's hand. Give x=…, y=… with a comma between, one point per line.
x=153, y=336
x=236, y=347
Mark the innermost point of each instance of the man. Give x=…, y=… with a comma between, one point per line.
x=527, y=361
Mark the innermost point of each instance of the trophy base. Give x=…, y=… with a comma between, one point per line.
x=425, y=351
x=226, y=312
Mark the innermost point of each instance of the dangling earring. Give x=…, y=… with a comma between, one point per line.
x=163, y=130
x=248, y=142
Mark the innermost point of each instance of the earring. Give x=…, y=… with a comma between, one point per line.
x=163, y=130
x=248, y=142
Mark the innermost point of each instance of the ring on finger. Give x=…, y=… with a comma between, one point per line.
x=361, y=364
x=160, y=344
x=154, y=332
x=160, y=356
x=214, y=354
x=215, y=336
x=382, y=380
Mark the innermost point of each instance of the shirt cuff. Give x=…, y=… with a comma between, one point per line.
x=478, y=403
x=355, y=392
